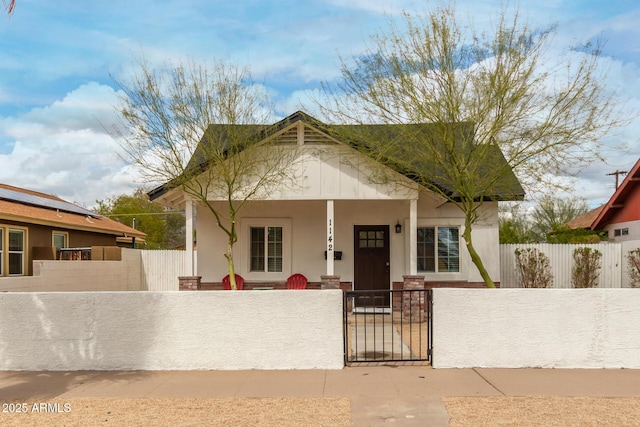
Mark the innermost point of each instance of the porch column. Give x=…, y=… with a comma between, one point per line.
x=188, y=212
x=330, y=238
x=413, y=237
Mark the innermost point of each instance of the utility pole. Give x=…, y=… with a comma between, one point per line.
x=617, y=173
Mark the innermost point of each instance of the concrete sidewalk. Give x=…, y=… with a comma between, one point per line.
x=405, y=395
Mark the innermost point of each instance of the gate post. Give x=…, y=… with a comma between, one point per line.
x=413, y=302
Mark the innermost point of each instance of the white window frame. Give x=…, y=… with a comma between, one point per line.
x=245, y=248
x=462, y=255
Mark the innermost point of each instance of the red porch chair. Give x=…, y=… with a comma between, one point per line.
x=297, y=281
x=226, y=283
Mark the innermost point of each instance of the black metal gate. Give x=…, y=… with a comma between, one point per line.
x=378, y=332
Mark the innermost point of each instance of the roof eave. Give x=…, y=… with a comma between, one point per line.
x=67, y=226
x=630, y=180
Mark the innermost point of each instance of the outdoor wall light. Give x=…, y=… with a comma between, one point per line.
x=398, y=227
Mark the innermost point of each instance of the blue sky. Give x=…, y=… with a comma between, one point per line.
x=56, y=59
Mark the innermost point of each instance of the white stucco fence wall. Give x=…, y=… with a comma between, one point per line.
x=548, y=328
x=171, y=330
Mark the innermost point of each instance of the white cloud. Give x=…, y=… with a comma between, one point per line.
x=63, y=149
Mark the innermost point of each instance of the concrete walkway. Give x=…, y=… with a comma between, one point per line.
x=377, y=341
x=404, y=395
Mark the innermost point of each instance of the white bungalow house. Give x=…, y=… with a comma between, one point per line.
x=375, y=234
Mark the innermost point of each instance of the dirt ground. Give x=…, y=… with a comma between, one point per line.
x=264, y=412
x=415, y=338
x=330, y=412
x=543, y=411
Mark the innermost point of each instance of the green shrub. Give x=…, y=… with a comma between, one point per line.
x=533, y=269
x=633, y=262
x=586, y=267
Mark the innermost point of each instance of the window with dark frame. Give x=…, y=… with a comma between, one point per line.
x=266, y=249
x=438, y=249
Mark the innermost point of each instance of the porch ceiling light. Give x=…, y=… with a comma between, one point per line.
x=398, y=227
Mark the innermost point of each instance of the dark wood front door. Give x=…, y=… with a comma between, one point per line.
x=371, y=264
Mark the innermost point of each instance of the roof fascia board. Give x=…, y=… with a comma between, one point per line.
x=632, y=177
x=64, y=225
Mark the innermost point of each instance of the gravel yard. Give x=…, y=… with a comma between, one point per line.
x=265, y=412
x=543, y=411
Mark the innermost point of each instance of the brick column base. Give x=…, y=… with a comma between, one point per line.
x=190, y=283
x=329, y=282
x=413, y=303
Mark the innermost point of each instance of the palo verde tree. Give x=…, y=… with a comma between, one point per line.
x=197, y=129
x=551, y=214
x=489, y=96
x=514, y=225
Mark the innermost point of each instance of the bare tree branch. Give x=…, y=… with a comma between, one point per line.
x=9, y=6
x=200, y=130
x=495, y=103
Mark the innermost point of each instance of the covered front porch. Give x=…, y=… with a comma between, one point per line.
x=350, y=244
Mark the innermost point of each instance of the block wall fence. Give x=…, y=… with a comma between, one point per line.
x=546, y=328
x=171, y=330
x=283, y=329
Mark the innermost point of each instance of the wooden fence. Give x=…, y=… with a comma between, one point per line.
x=161, y=269
x=613, y=273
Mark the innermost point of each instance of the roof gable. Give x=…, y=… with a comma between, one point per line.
x=621, y=207
x=302, y=128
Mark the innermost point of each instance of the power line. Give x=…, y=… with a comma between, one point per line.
x=147, y=213
x=617, y=173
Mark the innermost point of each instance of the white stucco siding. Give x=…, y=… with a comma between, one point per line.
x=631, y=230
x=485, y=237
x=485, y=240
x=306, y=236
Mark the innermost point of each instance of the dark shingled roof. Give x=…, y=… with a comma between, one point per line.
x=507, y=186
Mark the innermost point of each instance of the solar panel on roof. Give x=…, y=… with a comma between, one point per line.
x=31, y=199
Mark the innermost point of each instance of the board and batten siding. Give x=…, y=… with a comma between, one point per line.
x=161, y=268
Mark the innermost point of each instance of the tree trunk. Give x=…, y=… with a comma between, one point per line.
x=232, y=272
x=475, y=258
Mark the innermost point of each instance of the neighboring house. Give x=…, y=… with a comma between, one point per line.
x=378, y=232
x=32, y=224
x=620, y=216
